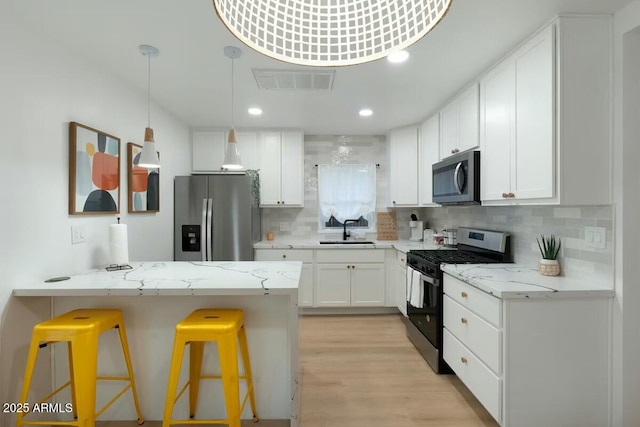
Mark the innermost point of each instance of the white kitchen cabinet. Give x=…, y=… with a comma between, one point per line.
x=530, y=361
x=403, y=167
x=459, y=123
x=281, y=169
x=208, y=148
x=305, y=287
x=333, y=285
x=429, y=146
x=350, y=277
x=401, y=282
x=545, y=118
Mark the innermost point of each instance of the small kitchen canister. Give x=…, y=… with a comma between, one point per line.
x=269, y=235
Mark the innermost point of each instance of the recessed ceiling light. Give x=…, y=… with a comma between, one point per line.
x=366, y=112
x=398, y=57
x=255, y=111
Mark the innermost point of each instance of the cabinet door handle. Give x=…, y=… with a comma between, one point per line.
x=401, y=259
x=463, y=320
x=283, y=202
x=453, y=151
x=278, y=201
x=505, y=195
x=512, y=196
x=463, y=294
x=284, y=256
x=394, y=202
x=348, y=266
x=463, y=359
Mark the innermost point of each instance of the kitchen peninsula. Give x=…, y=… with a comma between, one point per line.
x=266, y=291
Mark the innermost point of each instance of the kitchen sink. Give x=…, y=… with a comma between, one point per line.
x=346, y=242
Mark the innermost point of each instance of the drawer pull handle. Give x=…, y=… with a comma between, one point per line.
x=463, y=320
x=463, y=359
x=464, y=294
x=401, y=259
x=284, y=256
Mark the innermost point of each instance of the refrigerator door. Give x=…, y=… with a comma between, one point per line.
x=189, y=216
x=231, y=220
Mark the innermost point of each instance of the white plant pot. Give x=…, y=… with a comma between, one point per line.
x=548, y=267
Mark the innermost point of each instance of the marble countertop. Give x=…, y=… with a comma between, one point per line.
x=518, y=281
x=177, y=278
x=401, y=245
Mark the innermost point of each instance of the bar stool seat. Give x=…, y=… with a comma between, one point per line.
x=80, y=329
x=226, y=327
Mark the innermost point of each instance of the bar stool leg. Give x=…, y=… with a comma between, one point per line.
x=228, y=352
x=84, y=349
x=196, y=352
x=71, y=377
x=246, y=363
x=174, y=377
x=28, y=373
x=122, y=333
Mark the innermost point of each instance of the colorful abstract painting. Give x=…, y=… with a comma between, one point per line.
x=94, y=171
x=144, y=184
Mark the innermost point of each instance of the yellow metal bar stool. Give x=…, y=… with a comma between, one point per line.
x=226, y=327
x=80, y=329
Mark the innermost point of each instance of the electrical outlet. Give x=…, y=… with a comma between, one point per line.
x=285, y=226
x=595, y=237
x=78, y=234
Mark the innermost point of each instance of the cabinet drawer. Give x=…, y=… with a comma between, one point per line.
x=350, y=255
x=481, y=303
x=305, y=255
x=479, y=336
x=402, y=258
x=478, y=378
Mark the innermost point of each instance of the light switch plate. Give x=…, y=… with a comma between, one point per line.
x=285, y=226
x=595, y=237
x=78, y=234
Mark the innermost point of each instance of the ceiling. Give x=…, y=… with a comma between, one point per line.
x=191, y=77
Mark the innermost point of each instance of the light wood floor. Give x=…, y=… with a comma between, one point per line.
x=362, y=371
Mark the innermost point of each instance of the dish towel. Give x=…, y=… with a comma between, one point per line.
x=409, y=282
x=417, y=290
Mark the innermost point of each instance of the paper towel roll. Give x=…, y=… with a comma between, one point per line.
x=118, y=244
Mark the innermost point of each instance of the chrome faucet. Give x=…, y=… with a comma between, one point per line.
x=344, y=228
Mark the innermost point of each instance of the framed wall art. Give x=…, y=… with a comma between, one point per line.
x=94, y=171
x=144, y=184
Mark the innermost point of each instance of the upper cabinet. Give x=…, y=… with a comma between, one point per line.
x=403, y=167
x=429, y=146
x=459, y=123
x=545, y=118
x=281, y=169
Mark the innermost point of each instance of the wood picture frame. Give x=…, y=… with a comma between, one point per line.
x=94, y=171
x=143, y=191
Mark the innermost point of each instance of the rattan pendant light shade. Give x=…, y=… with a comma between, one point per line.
x=330, y=32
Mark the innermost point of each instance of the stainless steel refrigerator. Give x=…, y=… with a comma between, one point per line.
x=216, y=217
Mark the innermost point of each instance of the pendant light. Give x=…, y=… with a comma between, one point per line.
x=149, y=156
x=231, y=154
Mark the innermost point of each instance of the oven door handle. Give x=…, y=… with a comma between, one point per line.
x=433, y=281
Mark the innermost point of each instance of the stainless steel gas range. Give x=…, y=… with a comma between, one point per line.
x=425, y=326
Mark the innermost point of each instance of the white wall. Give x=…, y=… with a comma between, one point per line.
x=42, y=88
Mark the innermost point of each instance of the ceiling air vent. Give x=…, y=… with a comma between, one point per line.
x=294, y=79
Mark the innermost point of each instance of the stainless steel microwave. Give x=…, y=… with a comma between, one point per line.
x=456, y=180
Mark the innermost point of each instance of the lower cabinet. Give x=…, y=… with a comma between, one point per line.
x=531, y=361
x=338, y=277
x=350, y=285
x=401, y=283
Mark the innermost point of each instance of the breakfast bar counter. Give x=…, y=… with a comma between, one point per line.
x=154, y=297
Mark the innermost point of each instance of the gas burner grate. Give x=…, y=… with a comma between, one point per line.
x=451, y=257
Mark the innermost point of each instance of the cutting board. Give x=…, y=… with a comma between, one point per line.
x=387, y=227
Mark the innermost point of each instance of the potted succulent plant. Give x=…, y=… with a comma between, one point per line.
x=549, y=249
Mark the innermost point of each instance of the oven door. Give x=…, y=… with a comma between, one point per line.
x=425, y=318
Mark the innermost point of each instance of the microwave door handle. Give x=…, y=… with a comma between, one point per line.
x=203, y=233
x=456, y=178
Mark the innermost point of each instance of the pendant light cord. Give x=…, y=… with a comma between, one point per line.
x=232, y=61
x=149, y=92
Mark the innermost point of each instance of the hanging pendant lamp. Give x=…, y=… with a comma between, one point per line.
x=149, y=156
x=231, y=154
